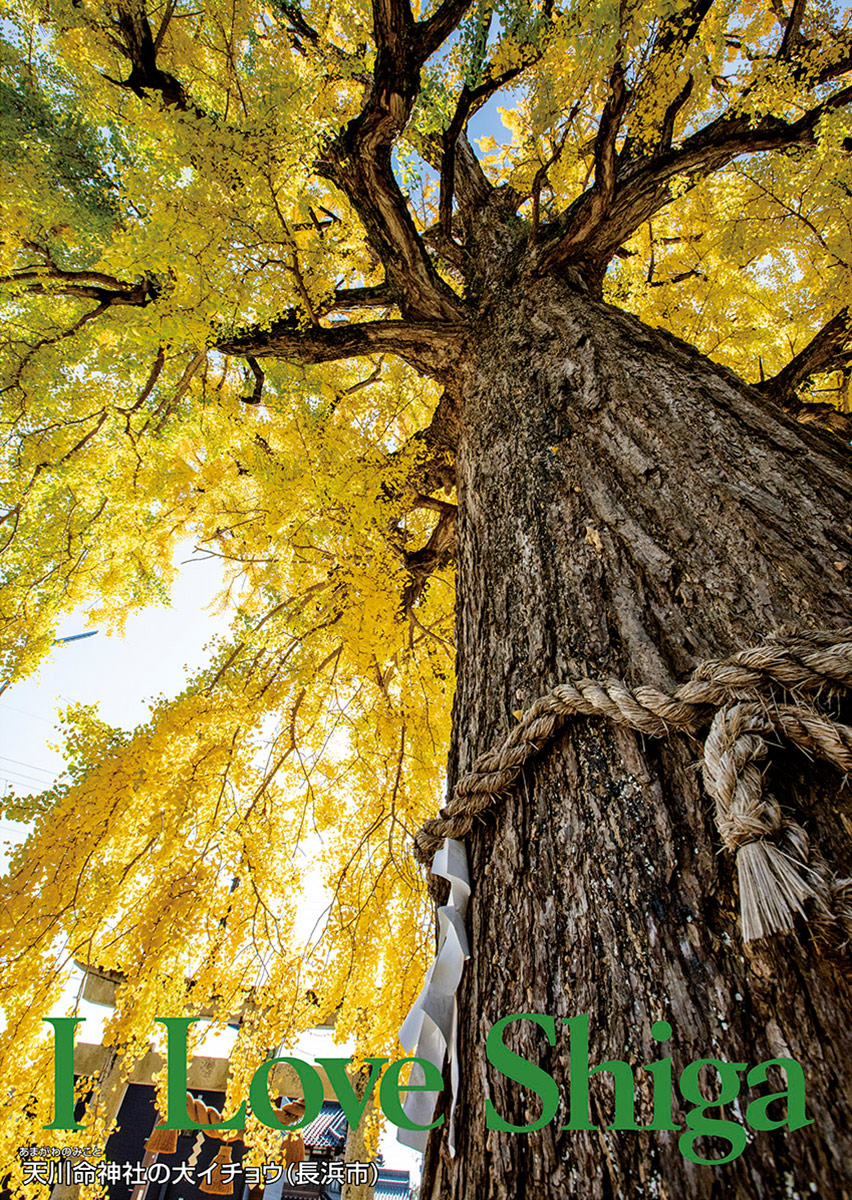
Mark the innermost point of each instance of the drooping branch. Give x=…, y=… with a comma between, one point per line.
x=52, y=340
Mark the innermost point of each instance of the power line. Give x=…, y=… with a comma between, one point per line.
x=22, y=712
x=14, y=828
x=41, y=784
x=29, y=766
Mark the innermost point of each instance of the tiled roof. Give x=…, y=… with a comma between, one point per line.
x=393, y=1184
x=329, y=1128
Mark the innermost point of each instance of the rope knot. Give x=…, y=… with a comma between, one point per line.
x=752, y=701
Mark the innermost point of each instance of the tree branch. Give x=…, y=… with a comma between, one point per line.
x=434, y=504
x=676, y=33
x=259, y=380
x=469, y=103
x=432, y=348
x=85, y=285
x=358, y=160
x=433, y=32
x=540, y=177
x=586, y=217
x=91, y=315
x=472, y=186
x=377, y=296
x=829, y=350
x=327, y=51
x=792, y=37
x=437, y=552
x=667, y=128
x=592, y=231
x=134, y=38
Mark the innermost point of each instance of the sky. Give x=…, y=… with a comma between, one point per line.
x=160, y=647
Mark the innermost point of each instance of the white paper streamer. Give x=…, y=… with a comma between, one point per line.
x=430, y=1029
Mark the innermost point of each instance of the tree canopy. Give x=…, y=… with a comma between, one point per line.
x=243, y=247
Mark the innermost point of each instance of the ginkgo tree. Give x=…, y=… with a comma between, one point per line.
x=460, y=413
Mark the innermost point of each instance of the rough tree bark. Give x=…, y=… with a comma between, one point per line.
x=628, y=507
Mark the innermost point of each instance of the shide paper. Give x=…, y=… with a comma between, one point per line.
x=429, y=1030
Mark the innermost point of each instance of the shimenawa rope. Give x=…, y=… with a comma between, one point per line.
x=762, y=693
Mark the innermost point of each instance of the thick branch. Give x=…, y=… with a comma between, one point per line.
x=434, y=504
x=134, y=39
x=431, y=348
x=828, y=350
x=469, y=103
x=378, y=296
x=593, y=232
x=83, y=285
x=837, y=68
x=437, y=553
x=792, y=36
x=432, y=33
x=471, y=184
x=448, y=162
x=435, y=470
x=359, y=159
x=605, y=158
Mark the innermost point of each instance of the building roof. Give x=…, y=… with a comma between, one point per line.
x=328, y=1129
x=392, y=1184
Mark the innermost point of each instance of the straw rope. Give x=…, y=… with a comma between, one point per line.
x=761, y=693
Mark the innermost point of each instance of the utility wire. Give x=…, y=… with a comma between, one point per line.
x=29, y=766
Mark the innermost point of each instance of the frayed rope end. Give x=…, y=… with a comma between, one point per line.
x=773, y=889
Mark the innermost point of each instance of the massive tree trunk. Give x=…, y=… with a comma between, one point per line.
x=627, y=507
